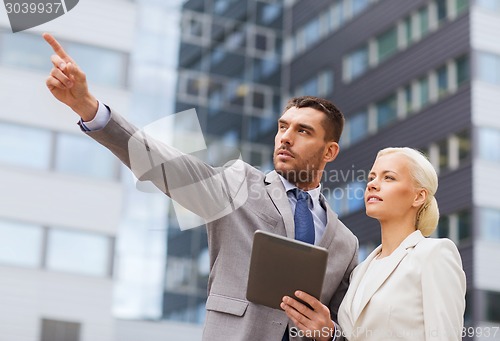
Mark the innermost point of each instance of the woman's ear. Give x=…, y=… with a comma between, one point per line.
x=420, y=197
x=331, y=151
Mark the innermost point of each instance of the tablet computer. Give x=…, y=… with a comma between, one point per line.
x=279, y=266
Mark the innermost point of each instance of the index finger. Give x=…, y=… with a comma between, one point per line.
x=311, y=300
x=58, y=49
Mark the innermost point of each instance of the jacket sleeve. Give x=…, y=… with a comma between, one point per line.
x=340, y=293
x=206, y=191
x=443, y=292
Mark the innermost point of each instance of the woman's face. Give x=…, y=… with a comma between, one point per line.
x=391, y=193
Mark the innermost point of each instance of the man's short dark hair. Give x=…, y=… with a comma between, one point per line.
x=334, y=119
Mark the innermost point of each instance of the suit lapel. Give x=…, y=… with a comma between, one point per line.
x=331, y=223
x=392, y=263
x=276, y=192
x=358, y=275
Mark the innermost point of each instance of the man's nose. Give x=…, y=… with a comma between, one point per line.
x=287, y=137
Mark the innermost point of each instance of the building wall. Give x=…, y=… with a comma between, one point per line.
x=58, y=201
x=156, y=331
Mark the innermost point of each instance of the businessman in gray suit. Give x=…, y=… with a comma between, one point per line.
x=307, y=139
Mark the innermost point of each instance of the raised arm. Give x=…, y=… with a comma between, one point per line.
x=68, y=83
x=209, y=192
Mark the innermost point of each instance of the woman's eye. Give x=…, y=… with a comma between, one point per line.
x=388, y=177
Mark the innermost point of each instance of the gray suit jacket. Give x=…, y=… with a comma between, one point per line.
x=254, y=201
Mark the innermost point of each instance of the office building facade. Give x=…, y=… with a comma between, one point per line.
x=79, y=245
x=229, y=71
x=424, y=74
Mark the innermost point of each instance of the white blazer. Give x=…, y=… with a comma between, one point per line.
x=418, y=295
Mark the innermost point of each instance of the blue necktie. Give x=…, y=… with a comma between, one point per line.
x=304, y=225
x=303, y=219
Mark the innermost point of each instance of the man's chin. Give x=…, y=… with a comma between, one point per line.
x=289, y=174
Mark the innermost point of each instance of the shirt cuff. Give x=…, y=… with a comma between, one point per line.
x=334, y=332
x=100, y=120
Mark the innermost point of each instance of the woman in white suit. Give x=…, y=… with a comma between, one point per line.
x=410, y=287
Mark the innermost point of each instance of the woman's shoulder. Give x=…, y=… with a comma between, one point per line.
x=432, y=244
x=436, y=249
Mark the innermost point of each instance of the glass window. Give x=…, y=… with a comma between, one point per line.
x=78, y=252
x=337, y=14
x=490, y=223
x=462, y=65
x=442, y=10
x=492, y=300
x=82, y=156
x=442, y=79
x=25, y=50
x=387, y=44
x=53, y=330
x=325, y=83
x=489, y=67
x=408, y=98
x=25, y=146
x=310, y=88
x=443, y=228
x=355, y=196
x=423, y=18
x=443, y=154
x=408, y=28
x=464, y=225
x=386, y=111
x=270, y=12
x=335, y=197
x=462, y=5
x=359, y=5
x=192, y=26
x=424, y=91
x=262, y=42
x=259, y=100
x=358, y=62
x=464, y=145
x=20, y=244
x=234, y=41
x=102, y=66
x=489, y=140
x=493, y=5
x=311, y=32
x=358, y=126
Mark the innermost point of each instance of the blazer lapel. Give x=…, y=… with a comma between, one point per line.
x=394, y=259
x=276, y=192
x=356, y=277
x=331, y=223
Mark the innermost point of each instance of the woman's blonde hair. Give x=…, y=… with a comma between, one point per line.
x=425, y=177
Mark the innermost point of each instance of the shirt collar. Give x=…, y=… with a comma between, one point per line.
x=314, y=193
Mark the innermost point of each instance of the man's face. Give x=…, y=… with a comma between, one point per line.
x=300, y=149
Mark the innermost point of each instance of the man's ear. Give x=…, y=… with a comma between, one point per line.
x=420, y=197
x=331, y=151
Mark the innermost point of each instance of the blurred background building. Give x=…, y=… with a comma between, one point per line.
x=86, y=256
x=82, y=252
x=417, y=73
x=230, y=71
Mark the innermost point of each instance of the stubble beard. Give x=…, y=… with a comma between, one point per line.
x=305, y=171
